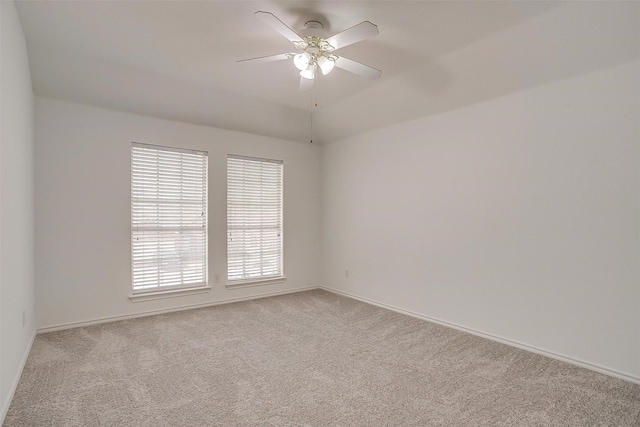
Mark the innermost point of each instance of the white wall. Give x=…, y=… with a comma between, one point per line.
x=83, y=266
x=517, y=217
x=16, y=204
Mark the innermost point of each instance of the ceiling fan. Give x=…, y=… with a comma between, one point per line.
x=316, y=52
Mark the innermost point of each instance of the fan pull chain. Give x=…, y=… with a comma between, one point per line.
x=311, y=139
x=314, y=101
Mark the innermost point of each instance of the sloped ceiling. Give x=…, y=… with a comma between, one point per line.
x=177, y=59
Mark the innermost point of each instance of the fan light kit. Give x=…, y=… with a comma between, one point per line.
x=316, y=52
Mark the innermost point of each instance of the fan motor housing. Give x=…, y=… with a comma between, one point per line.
x=315, y=29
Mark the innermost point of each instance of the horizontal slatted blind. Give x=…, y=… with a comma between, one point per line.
x=254, y=218
x=168, y=217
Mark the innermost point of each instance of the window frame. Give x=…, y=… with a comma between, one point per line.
x=248, y=281
x=137, y=207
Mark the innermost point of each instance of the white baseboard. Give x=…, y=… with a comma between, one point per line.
x=16, y=380
x=573, y=361
x=63, y=326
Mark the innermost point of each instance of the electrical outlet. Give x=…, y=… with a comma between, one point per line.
x=216, y=278
x=346, y=273
x=24, y=318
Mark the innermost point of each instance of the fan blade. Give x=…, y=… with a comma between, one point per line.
x=362, y=31
x=271, y=20
x=306, y=84
x=358, y=68
x=270, y=58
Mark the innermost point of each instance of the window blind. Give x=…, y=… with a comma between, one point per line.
x=168, y=217
x=254, y=218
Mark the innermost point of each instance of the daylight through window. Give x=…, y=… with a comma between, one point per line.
x=168, y=217
x=254, y=218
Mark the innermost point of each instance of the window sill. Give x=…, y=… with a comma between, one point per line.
x=154, y=295
x=255, y=282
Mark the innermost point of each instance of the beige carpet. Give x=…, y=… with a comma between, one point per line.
x=312, y=358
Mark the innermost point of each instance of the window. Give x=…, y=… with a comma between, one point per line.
x=168, y=217
x=254, y=219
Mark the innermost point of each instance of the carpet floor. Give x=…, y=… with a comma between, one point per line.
x=306, y=359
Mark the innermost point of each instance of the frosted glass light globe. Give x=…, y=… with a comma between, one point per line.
x=326, y=65
x=309, y=72
x=301, y=61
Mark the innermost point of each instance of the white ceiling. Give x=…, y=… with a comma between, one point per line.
x=177, y=59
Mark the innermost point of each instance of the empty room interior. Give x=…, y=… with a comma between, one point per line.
x=338, y=213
